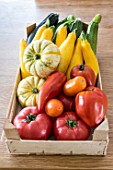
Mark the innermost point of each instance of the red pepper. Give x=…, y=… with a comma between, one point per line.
x=50, y=89
x=91, y=105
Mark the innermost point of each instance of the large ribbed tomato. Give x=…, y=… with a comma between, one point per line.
x=32, y=125
x=68, y=126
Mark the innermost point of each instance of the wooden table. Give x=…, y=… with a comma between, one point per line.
x=14, y=17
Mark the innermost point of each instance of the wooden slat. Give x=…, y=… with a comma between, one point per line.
x=17, y=80
x=101, y=132
x=10, y=131
x=29, y=29
x=57, y=147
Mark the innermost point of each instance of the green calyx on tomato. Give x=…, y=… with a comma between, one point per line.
x=30, y=117
x=82, y=67
x=71, y=123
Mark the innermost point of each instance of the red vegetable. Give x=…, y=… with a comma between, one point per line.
x=68, y=102
x=86, y=72
x=91, y=105
x=68, y=126
x=50, y=89
x=32, y=125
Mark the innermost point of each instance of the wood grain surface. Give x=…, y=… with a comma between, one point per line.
x=15, y=15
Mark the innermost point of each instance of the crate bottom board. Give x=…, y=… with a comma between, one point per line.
x=24, y=147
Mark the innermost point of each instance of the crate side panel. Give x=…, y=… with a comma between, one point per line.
x=9, y=129
x=102, y=131
x=57, y=147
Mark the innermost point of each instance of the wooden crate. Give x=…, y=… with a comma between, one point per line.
x=96, y=145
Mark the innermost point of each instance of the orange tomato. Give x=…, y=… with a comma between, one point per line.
x=75, y=85
x=54, y=108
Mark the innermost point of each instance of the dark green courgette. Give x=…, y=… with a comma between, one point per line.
x=92, y=32
x=78, y=25
x=69, y=19
x=51, y=18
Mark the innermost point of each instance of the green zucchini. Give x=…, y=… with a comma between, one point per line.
x=78, y=25
x=69, y=19
x=51, y=19
x=92, y=32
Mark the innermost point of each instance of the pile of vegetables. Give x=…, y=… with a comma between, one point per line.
x=59, y=70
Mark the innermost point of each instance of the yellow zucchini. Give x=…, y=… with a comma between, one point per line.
x=66, y=50
x=22, y=47
x=47, y=34
x=61, y=35
x=39, y=32
x=77, y=58
x=88, y=54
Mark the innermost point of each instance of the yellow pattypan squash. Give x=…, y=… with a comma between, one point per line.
x=41, y=58
x=28, y=89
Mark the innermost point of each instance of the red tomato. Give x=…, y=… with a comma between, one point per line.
x=54, y=108
x=86, y=72
x=68, y=126
x=32, y=125
x=91, y=106
x=68, y=102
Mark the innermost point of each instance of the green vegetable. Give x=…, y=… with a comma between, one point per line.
x=66, y=21
x=92, y=32
x=52, y=19
x=78, y=25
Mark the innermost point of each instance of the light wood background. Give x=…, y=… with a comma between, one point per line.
x=15, y=15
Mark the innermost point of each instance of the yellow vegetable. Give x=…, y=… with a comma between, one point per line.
x=66, y=50
x=22, y=47
x=47, y=34
x=88, y=54
x=77, y=58
x=41, y=58
x=28, y=90
x=61, y=35
x=39, y=32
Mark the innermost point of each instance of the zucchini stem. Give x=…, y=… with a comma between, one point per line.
x=97, y=18
x=82, y=36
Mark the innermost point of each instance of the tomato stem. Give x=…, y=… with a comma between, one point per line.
x=81, y=67
x=30, y=117
x=71, y=123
